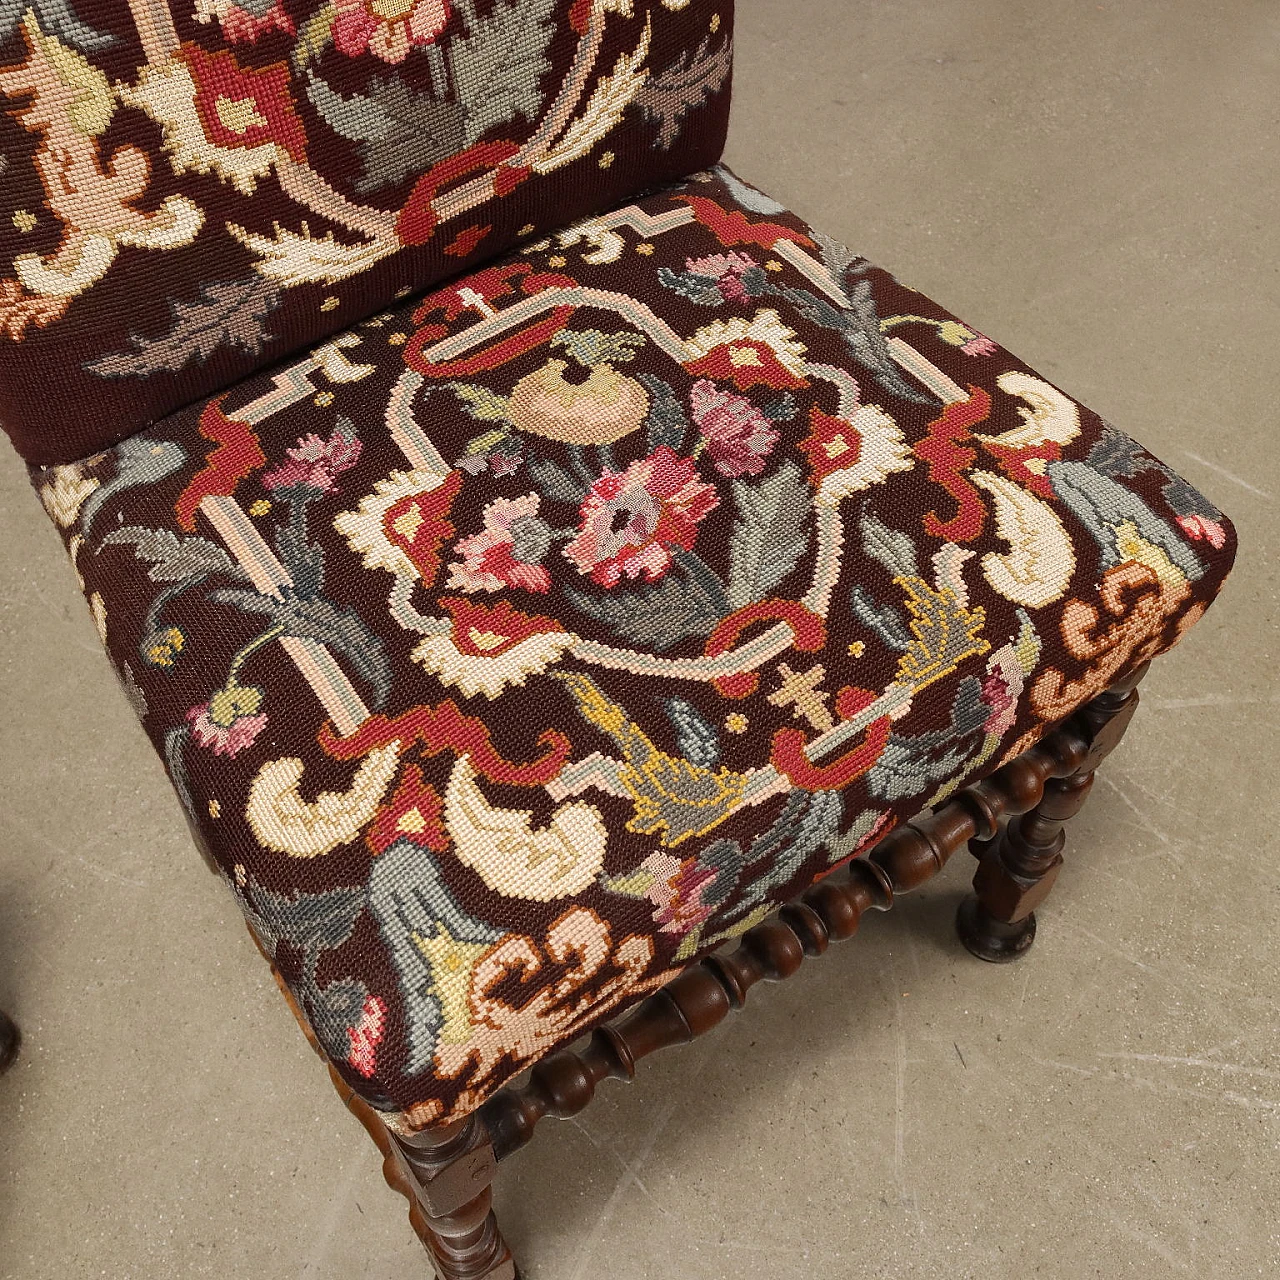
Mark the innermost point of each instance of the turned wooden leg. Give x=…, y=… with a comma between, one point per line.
x=450, y=1172
x=1017, y=869
x=446, y=1175
x=9, y=1041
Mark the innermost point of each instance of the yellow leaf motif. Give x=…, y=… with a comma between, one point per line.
x=452, y=963
x=1131, y=545
x=946, y=634
x=94, y=103
x=673, y=798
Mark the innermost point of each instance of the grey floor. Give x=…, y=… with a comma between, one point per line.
x=1095, y=184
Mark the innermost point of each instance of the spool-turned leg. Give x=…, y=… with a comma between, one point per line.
x=445, y=1174
x=1018, y=869
x=450, y=1172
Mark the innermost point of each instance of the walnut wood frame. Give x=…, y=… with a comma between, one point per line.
x=1012, y=821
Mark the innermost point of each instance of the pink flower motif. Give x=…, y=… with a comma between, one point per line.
x=727, y=269
x=997, y=695
x=979, y=345
x=1002, y=687
x=366, y=1035
x=632, y=519
x=388, y=28
x=739, y=436
x=241, y=26
x=224, y=739
x=508, y=551
x=505, y=464
x=317, y=463
x=1202, y=529
x=677, y=891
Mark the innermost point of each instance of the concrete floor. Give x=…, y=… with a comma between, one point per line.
x=1095, y=184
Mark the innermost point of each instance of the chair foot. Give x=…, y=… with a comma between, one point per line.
x=483, y=1256
x=990, y=939
x=10, y=1039
x=1018, y=866
x=446, y=1177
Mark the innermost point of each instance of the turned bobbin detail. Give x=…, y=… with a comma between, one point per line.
x=1018, y=868
x=445, y=1174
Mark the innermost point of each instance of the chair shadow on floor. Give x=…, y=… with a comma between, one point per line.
x=10, y=1039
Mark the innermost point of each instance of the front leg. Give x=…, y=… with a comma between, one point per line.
x=450, y=1172
x=1018, y=868
x=445, y=1175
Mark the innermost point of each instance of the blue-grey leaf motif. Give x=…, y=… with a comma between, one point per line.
x=139, y=460
x=174, y=558
x=696, y=738
x=748, y=196
x=399, y=133
x=910, y=764
x=1100, y=504
x=809, y=819
x=228, y=313
x=886, y=621
x=889, y=547
x=413, y=908
x=309, y=922
x=498, y=67
x=342, y=629
x=554, y=482
x=691, y=603
x=667, y=424
x=669, y=95
x=57, y=17
x=770, y=534
x=702, y=291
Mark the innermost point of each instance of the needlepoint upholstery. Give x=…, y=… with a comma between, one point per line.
x=551, y=630
x=195, y=189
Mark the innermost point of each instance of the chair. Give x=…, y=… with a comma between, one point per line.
x=566, y=589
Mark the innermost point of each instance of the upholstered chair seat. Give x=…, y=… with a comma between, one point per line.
x=531, y=640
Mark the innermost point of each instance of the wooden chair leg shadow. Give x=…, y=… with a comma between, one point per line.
x=10, y=1040
x=1013, y=821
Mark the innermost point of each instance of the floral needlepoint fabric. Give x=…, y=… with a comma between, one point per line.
x=527, y=641
x=193, y=189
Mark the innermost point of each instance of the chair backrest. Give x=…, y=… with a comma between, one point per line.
x=194, y=189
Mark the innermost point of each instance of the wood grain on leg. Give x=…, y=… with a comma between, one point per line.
x=445, y=1174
